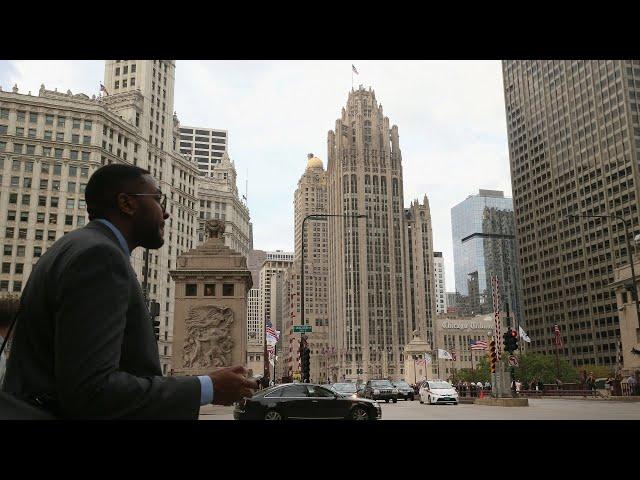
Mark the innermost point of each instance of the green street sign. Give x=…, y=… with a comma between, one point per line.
x=301, y=328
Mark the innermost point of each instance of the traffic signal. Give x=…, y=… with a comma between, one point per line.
x=506, y=340
x=154, y=311
x=305, y=361
x=156, y=329
x=493, y=356
x=510, y=341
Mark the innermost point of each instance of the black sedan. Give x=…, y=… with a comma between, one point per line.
x=304, y=401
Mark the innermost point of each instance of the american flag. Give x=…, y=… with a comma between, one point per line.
x=556, y=331
x=478, y=345
x=271, y=332
x=453, y=354
x=353, y=69
x=102, y=89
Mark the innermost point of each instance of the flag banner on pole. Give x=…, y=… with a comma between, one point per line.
x=556, y=331
x=353, y=68
x=271, y=340
x=102, y=89
x=478, y=345
x=427, y=358
x=524, y=336
x=444, y=354
x=271, y=331
x=453, y=355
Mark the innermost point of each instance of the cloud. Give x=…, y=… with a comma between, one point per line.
x=450, y=116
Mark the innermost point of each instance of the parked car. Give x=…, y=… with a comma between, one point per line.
x=304, y=401
x=380, y=390
x=405, y=390
x=438, y=391
x=346, y=389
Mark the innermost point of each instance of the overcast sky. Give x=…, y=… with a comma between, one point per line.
x=450, y=116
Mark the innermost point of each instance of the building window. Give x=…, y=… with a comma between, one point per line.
x=32, y=133
x=75, y=138
x=85, y=156
x=21, y=115
x=48, y=119
x=117, y=71
x=33, y=117
x=227, y=289
x=133, y=81
x=37, y=251
x=4, y=113
x=133, y=68
x=57, y=169
x=51, y=235
x=88, y=124
x=76, y=123
x=117, y=84
x=59, y=136
x=61, y=121
x=209, y=289
x=191, y=290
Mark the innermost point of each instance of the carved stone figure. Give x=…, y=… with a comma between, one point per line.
x=208, y=341
x=215, y=228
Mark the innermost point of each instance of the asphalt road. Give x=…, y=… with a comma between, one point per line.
x=538, y=409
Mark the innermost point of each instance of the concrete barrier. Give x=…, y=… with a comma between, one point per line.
x=502, y=402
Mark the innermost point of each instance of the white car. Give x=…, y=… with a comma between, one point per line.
x=438, y=391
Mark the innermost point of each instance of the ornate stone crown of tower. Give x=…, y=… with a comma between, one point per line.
x=210, y=323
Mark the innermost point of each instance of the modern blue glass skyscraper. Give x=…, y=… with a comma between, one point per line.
x=484, y=245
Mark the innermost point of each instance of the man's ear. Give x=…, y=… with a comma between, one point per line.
x=126, y=204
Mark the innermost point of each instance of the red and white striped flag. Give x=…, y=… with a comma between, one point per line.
x=558, y=339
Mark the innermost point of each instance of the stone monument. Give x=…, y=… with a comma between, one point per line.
x=210, y=320
x=418, y=360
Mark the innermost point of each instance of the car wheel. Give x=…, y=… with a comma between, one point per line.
x=421, y=402
x=429, y=400
x=273, y=415
x=395, y=400
x=359, y=413
x=386, y=400
x=412, y=398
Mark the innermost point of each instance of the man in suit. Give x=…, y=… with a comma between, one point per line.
x=84, y=345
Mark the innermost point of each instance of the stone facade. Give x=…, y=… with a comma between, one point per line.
x=454, y=333
x=629, y=325
x=421, y=277
x=309, y=198
x=418, y=360
x=218, y=196
x=210, y=327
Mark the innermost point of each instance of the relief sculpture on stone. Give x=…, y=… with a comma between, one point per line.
x=208, y=337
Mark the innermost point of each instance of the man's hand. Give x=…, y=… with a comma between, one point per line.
x=231, y=384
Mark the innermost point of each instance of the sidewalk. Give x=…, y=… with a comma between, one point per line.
x=215, y=412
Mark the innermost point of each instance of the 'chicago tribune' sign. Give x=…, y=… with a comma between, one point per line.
x=466, y=325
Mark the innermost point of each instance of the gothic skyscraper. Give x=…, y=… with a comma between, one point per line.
x=367, y=287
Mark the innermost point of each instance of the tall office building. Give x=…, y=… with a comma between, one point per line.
x=310, y=198
x=51, y=143
x=420, y=271
x=367, y=295
x=219, y=199
x=271, y=289
x=574, y=148
x=440, y=286
x=204, y=145
x=484, y=245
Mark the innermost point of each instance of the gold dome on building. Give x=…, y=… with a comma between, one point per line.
x=314, y=162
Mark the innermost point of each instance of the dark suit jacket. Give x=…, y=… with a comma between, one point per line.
x=85, y=337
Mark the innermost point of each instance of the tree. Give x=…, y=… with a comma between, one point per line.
x=540, y=366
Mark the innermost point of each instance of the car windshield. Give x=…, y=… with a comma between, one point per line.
x=401, y=384
x=345, y=387
x=381, y=383
x=439, y=385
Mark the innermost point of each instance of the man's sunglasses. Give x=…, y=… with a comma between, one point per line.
x=160, y=197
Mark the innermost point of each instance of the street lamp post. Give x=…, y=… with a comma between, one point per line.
x=314, y=216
